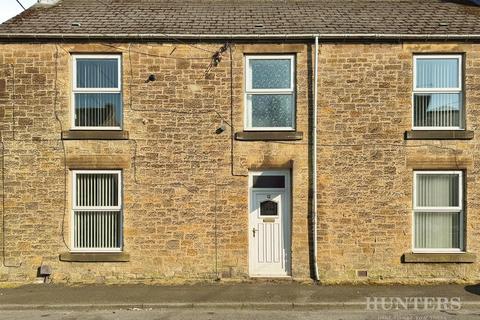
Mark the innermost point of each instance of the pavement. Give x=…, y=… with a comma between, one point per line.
x=245, y=296
x=233, y=314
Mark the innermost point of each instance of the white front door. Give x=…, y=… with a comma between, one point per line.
x=269, y=226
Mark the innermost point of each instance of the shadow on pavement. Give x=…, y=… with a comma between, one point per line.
x=475, y=289
x=464, y=2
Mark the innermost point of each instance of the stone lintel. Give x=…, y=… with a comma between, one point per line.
x=448, y=162
x=98, y=161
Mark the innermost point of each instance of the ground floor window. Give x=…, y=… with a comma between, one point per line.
x=438, y=211
x=97, y=210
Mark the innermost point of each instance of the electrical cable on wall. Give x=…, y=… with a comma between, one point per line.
x=232, y=129
x=13, y=102
x=129, y=51
x=215, y=226
x=4, y=258
x=215, y=60
x=131, y=96
x=3, y=178
x=155, y=55
x=397, y=145
x=42, y=140
x=65, y=169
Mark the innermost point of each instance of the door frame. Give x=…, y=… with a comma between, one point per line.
x=286, y=218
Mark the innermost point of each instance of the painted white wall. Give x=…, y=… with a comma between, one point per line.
x=10, y=8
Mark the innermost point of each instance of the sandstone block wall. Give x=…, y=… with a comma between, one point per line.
x=185, y=201
x=366, y=166
x=185, y=187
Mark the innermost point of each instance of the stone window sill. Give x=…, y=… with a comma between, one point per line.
x=95, y=135
x=439, y=135
x=269, y=135
x=95, y=257
x=466, y=257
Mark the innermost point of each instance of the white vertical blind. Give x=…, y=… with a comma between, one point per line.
x=97, y=92
x=97, y=73
x=97, y=190
x=437, y=97
x=437, y=230
x=437, y=110
x=437, y=211
x=435, y=73
x=97, y=109
x=437, y=190
x=97, y=213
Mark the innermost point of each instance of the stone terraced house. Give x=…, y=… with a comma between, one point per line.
x=162, y=141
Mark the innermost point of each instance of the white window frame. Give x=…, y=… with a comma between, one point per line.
x=75, y=208
x=250, y=91
x=75, y=90
x=459, y=209
x=459, y=89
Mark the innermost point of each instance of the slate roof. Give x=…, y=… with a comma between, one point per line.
x=247, y=18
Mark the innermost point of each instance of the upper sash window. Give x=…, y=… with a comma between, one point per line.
x=97, y=92
x=270, y=93
x=438, y=93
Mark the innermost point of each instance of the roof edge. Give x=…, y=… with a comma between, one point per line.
x=326, y=36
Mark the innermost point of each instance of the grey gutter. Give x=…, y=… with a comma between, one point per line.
x=326, y=36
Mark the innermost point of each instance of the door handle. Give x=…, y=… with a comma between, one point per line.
x=254, y=230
